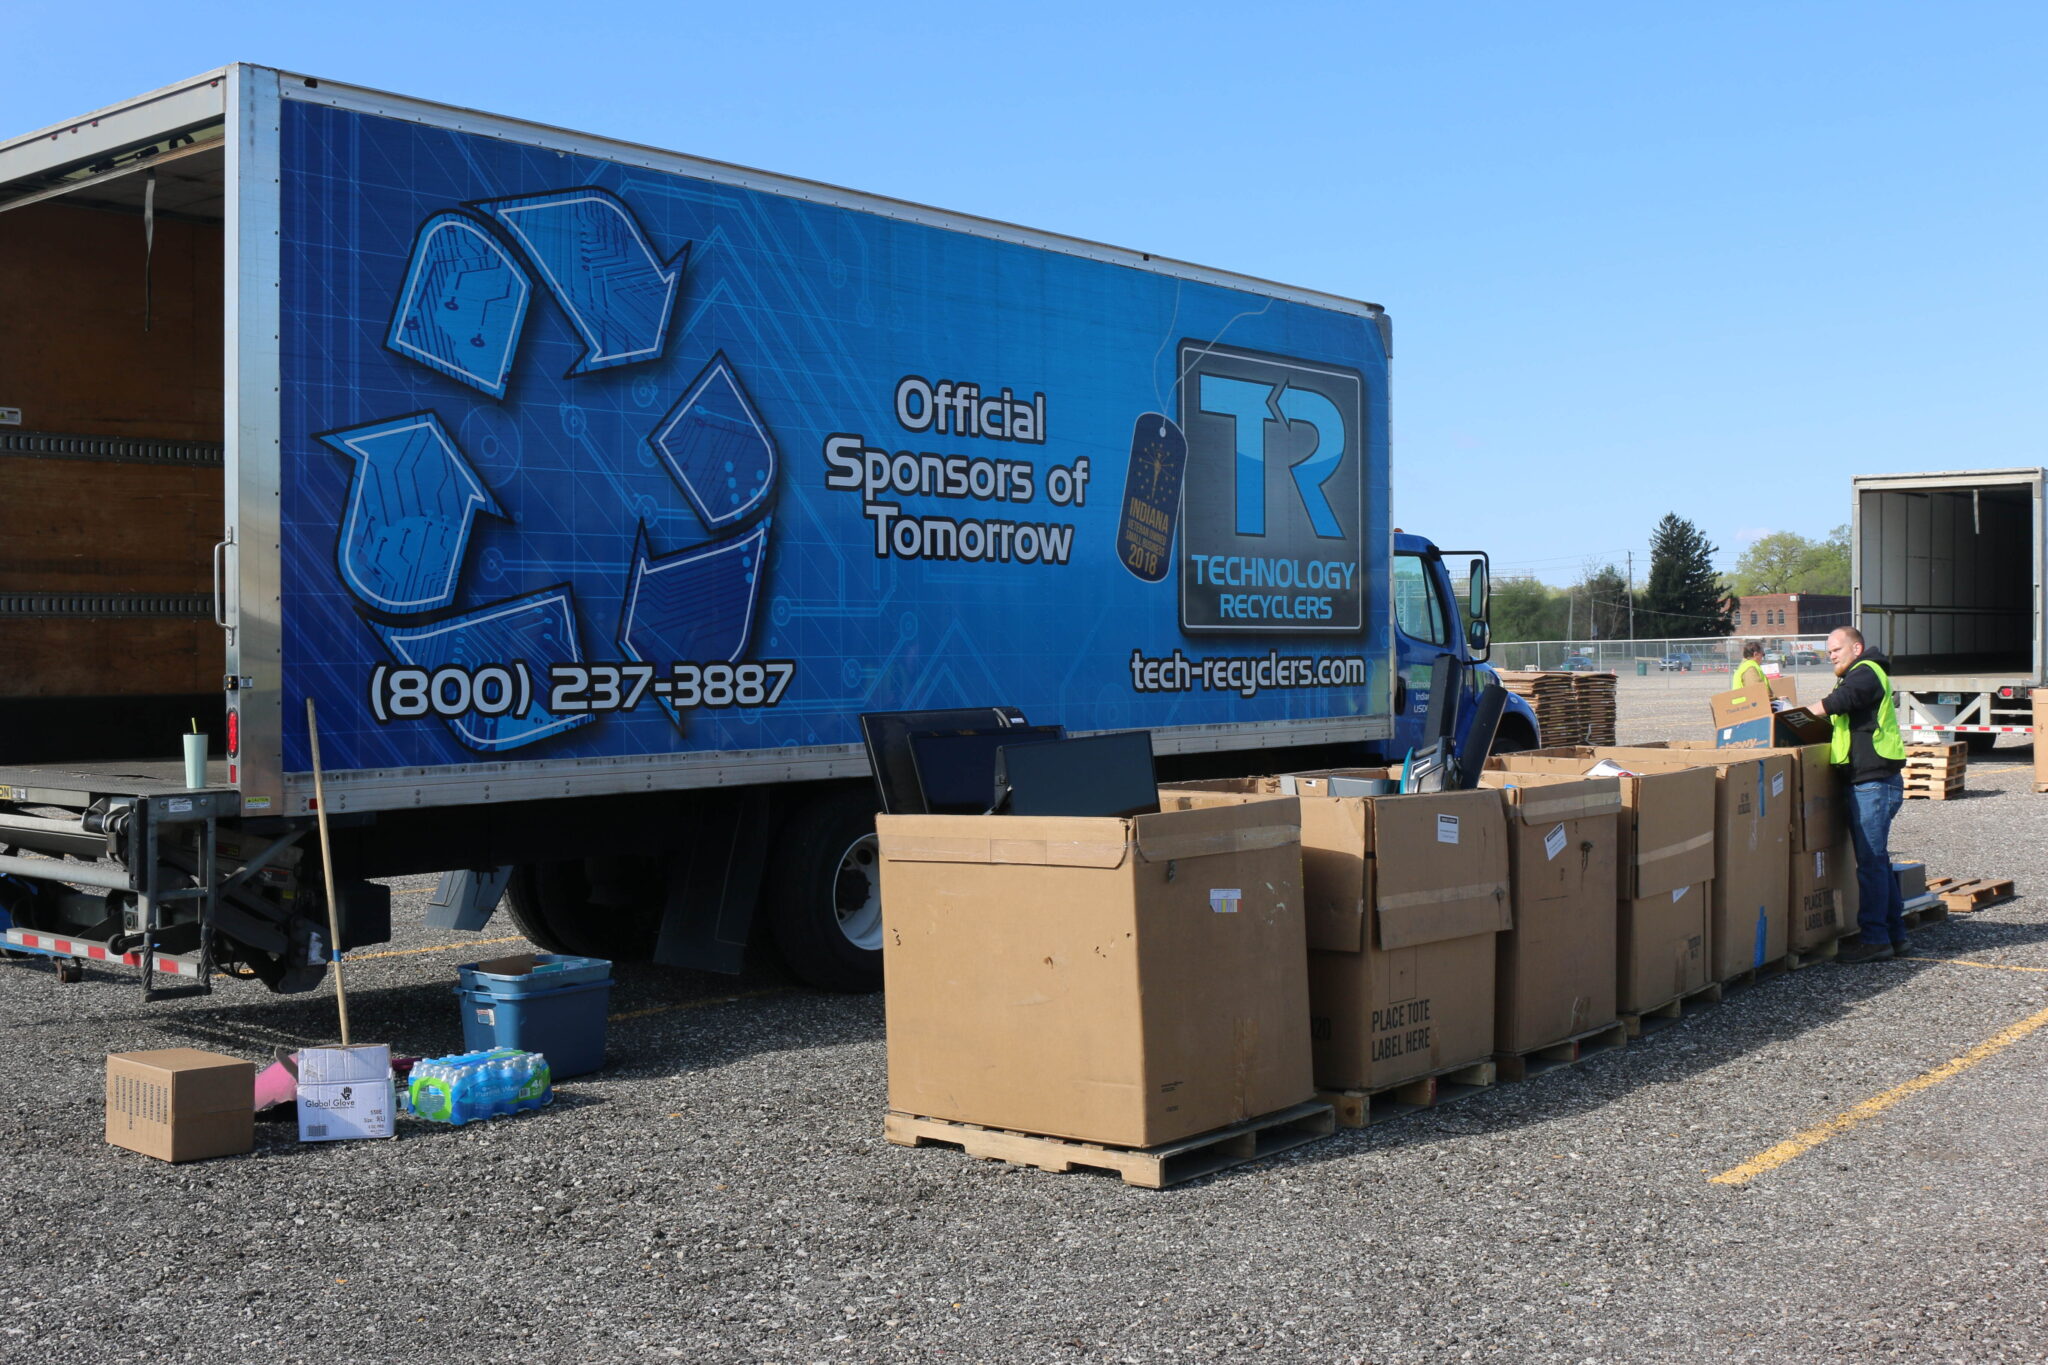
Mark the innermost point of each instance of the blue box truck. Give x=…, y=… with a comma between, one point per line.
x=589, y=493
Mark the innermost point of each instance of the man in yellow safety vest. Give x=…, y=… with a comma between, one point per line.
x=1868, y=750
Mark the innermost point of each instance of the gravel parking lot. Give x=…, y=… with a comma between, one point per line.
x=722, y=1190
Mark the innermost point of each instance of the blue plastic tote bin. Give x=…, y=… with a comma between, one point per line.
x=565, y=1023
x=525, y=973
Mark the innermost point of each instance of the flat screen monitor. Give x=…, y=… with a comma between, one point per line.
x=887, y=736
x=956, y=771
x=1098, y=775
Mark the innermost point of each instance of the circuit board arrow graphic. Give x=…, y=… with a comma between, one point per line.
x=717, y=447
x=411, y=503
x=696, y=606
x=463, y=303
x=538, y=631
x=601, y=267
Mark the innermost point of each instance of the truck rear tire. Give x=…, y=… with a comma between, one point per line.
x=824, y=892
x=552, y=905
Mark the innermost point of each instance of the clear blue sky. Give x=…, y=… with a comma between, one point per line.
x=1640, y=258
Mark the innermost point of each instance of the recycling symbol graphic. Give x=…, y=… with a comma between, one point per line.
x=474, y=278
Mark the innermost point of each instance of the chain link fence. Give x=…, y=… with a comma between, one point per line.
x=1711, y=654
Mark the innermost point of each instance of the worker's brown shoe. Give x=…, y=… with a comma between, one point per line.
x=1864, y=952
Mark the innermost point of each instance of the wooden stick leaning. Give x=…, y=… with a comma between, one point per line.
x=327, y=868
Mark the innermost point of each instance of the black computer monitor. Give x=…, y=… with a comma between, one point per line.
x=956, y=770
x=1098, y=775
x=887, y=736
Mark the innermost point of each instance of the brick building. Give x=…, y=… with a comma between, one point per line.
x=1771, y=614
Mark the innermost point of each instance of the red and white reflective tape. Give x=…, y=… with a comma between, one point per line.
x=1974, y=729
x=95, y=952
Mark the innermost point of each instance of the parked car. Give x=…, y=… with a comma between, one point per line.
x=1808, y=658
x=1579, y=663
x=1675, y=663
x=1774, y=657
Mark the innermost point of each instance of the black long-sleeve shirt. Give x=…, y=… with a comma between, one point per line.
x=1858, y=697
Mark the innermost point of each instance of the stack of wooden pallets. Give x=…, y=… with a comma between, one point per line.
x=1567, y=713
x=1934, y=772
x=1595, y=695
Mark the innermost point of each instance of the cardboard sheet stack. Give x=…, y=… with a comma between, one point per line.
x=1595, y=695
x=1557, y=703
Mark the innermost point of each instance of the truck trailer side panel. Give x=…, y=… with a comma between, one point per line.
x=605, y=472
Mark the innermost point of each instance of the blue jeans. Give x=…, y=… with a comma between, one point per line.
x=1872, y=805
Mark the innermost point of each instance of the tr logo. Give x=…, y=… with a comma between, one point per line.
x=1273, y=500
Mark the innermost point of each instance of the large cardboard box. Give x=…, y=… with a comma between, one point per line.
x=1666, y=829
x=1554, y=975
x=1746, y=719
x=2040, y=729
x=1124, y=981
x=1752, y=837
x=1661, y=948
x=1666, y=853
x=181, y=1104
x=1823, y=897
x=1405, y=895
x=1819, y=794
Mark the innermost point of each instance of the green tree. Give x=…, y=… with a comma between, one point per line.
x=1526, y=609
x=1684, y=593
x=1785, y=561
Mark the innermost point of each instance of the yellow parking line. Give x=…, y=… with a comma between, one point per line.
x=1965, y=962
x=434, y=948
x=1877, y=1104
x=700, y=1004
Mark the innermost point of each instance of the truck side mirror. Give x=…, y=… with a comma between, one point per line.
x=1478, y=638
x=1476, y=607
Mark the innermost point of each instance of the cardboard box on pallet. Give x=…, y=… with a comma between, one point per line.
x=2040, y=728
x=1666, y=854
x=1823, y=897
x=1125, y=981
x=1752, y=837
x=1405, y=896
x=181, y=1104
x=1819, y=795
x=1554, y=975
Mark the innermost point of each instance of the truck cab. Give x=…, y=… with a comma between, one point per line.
x=1432, y=622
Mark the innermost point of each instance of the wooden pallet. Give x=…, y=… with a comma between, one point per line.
x=1955, y=751
x=1933, y=789
x=1671, y=1011
x=1152, y=1168
x=1743, y=980
x=1363, y=1108
x=1964, y=895
x=1521, y=1066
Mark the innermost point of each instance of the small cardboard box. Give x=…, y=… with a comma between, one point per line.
x=346, y=1092
x=1752, y=838
x=1405, y=895
x=1662, y=950
x=181, y=1104
x=1823, y=895
x=1554, y=973
x=1745, y=719
x=1127, y=981
x=1911, y=876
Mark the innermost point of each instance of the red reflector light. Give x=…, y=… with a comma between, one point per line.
x=2006, y=693
x=234, y=733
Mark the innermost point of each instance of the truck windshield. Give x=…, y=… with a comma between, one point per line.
x=1416, y=608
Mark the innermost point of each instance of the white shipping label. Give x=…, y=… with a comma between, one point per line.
x=1778, y=785
x=1553, y=843
x=1447, y=829
x=1820, y=864
x=1225, y=901
x=1679, y=894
